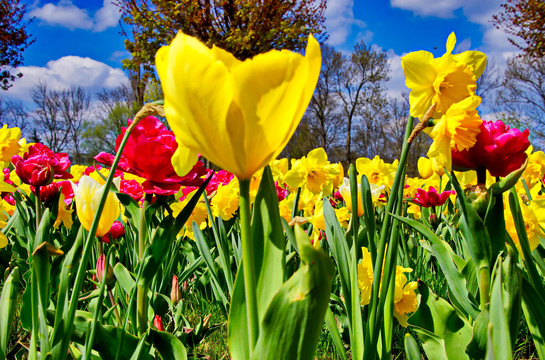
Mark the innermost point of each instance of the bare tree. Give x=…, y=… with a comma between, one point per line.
x=522, y=96
x=115, y=107
x=324, y=112
x=51, y=129
x=61, y=117
x=360, y=80
x=14, y=114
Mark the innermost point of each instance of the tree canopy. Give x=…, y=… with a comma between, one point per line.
x=243, y=27
x=13, y=40
x=525, y=20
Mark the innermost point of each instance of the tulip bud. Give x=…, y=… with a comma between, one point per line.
x=101, y=263
x=206, y=321
x=433, y=220
x=479, y=197
x=175, y=294
x=158, y=323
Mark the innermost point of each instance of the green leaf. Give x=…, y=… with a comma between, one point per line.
x=124, y=278
x=168, y=346
x=442, y=331
x=499, y=334
x=8, y=307
x=107, y=337
x=455, y=280
x=509, y=181
x=533, y=306
x=412, y=351
x=293, y=321
x=473, y=228
x=269, y=255
x=334, y=333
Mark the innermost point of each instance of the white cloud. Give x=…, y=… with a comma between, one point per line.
x=339, y=21
x=63, y=14
x=106, y=17
x=68, y=15
x=70, y=70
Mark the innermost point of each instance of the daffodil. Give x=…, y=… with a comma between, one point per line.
x=225, y=202
x=87, y=194
x=3, y=223
x=238, y=114
x=314, y=172
x=456, y=130
x=428, y=167
x=199, y=215
x=377, y=171
x=536, y=168
x=405, y=298
x=365, y=276
x=531, y=223
x=9, y=142
x=445, y=80
x=346, y=193
x=64, y=215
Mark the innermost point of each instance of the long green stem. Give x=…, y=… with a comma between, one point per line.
x=142, y=288
x=248, y=263
x=88, y=247
x=38, y=208
x=142, y=233
x=370, y=335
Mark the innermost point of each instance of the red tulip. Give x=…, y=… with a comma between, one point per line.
x=175, y=294
x=431, y=197
x=158, y=323
x=48, y=192
x=148, y=154
x=499, y=149
x=116, y=231
x=101, y=264
x=39, y=166
x=132, y=188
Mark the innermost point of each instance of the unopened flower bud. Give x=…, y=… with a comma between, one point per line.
x=158, y=323
x=479, y=197
x=433, y=220
x=206, y=321
x=101, y=263
x=175, y=294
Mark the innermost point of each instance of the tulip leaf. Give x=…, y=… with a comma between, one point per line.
x=269, y=246
x=499, y=325
x=8, y=307
x=442, y=331
x=269, y=253
x=412, y=351
x=292, y=324
x=334, y=333
x=168, y=346
x=455, y=280
x=368, y=214
x=495, y=223
x=476, y=349
x=106, y=339
x=473, y=228
x=533, y=306
x=508, y=181
x=124, y=278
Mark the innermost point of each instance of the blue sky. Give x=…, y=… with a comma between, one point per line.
x=78, y=42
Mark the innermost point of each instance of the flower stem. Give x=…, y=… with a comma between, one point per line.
x=142, y=288
x=38, y=207
x=248, y=263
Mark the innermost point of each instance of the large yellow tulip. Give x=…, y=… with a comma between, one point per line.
x=238, y=114
x=87, y=194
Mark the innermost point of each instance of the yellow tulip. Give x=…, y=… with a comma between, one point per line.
x=445, y=80
x=238, y=114
x=87, y=194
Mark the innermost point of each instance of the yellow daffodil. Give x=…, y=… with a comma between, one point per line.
x=3, y=223
x=238, y=114
x=87, y=194
x=456, y=130
x=225, y=202
x=531, y=223
x=9, y=142
x=536, y=168
x=77, y=172
x=314, y=172
x=405, y=298
x=445, y=80
x=199, y=215
x=346, y=193
x=279, y=167
x=428, y=167
x=64, y=215
x=365, y=276
x=377, y=171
